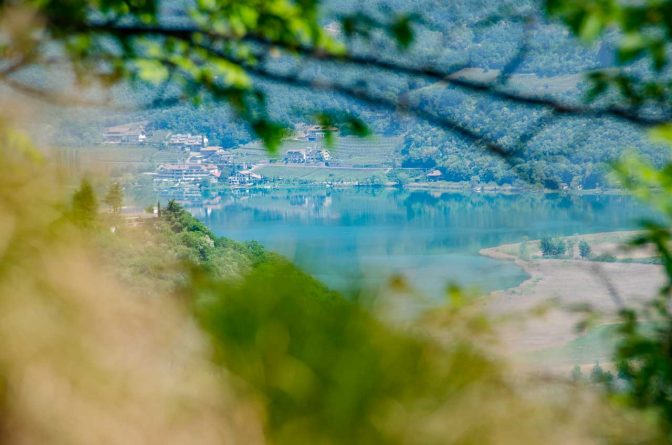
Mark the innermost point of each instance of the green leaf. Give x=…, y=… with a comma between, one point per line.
x=402, y=31
x=151, y=70
x=271, y=133
x=662, y=133
x=591, y=27
x=358, y=127
x=631, y=46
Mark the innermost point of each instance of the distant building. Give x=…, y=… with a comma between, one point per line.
x=174, y=175
x=295, y=157
x=221, y=158
x=316, y=133
x=434, y=175
x=312, y=133
x=187, y=141
x=128, y=134
x=207, y=152
x=333, y=28
x=244, y=177
x=213, y=155
x=324, y=155
x=315, y=156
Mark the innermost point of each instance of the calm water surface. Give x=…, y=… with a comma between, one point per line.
x=355, y=237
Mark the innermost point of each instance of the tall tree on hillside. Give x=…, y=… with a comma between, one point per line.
x=114, y=197
x=84, y=208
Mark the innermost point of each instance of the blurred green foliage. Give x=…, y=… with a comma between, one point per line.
x=114, y=197
x=328, y=371
x=84, y=207
x=644, y=33
x=644, y=353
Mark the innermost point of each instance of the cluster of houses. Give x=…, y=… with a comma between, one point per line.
x=187, y=141
x=307, y=156
x=244, y=178
x=184, y=174
x=314, y=152
x=137, y=133
x=203, y=166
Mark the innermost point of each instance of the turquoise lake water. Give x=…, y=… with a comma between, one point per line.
x=360, y=237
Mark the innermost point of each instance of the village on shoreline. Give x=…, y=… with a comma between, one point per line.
x=187, y=168
x=186, y=164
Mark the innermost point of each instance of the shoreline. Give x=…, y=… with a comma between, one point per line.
x=422, y=187
x=539, y=315
x=527, y=265
x=495, y=254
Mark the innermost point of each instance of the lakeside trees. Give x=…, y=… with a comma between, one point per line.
x=552, y=247
x=84, y=208
x=114, y=197
x=584, y=249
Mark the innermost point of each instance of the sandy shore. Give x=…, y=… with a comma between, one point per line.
x=541, y=313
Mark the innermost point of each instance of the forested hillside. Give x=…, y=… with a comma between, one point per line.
x=489, y=38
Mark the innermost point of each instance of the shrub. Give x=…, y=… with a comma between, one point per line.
x=606, y=258
x=552, y=247
x=577, y=374
x=584, y=249
x=523, y=252
x=599, y=375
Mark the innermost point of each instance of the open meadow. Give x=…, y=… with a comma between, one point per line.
x=543, y=312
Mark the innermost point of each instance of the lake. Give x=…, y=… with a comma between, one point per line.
x=362, y=236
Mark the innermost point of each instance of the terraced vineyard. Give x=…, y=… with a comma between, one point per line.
x=347, y=151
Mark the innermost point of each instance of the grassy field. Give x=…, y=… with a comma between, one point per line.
x=347, y=151
x=595, y=346
x=556, y=287
x=321, y=174
x=106, y=158
x=367, y=151
x=603, y=245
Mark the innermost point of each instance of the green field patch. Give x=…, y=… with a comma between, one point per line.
x=105, y=156
x=321, y=174
x=596, y=345
x=377, y=151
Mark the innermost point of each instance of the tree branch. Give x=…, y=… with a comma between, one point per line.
x=489, y=89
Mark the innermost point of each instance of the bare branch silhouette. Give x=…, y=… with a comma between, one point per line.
x=451, y=77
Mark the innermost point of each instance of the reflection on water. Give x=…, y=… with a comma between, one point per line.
x=350, y=237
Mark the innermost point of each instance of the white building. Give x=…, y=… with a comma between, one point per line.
x=173, y=175
x=244, y=177
x=188, y=141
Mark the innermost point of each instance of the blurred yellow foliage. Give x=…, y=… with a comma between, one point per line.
x=82, y=359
